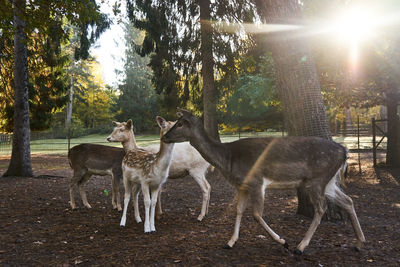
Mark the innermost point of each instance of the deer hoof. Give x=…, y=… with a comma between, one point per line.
x=286, y=245
x=227, y=247
x=357, y=249
x=298, y=252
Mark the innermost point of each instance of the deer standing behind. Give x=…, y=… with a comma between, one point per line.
x=254, y=164
x=92, y=159
x=143, y=170
x=186, y=160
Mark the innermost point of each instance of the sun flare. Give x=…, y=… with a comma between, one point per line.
x=354, y=25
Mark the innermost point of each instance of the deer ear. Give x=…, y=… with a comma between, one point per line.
x=161, y=122
x=129, y=124
x=181, y=112
x=114, y=123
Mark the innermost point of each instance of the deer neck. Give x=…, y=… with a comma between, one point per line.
x=164, y=155
x=213, y=151
x=131, y=143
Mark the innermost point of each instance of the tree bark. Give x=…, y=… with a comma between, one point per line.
x=210, y=96
x=393, y=128
x=20, y=163
x=298, y=85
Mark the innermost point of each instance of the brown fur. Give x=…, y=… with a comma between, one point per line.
x=254, y=164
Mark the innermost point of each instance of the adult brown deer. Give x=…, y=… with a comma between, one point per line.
x=92, y=159
x=254, y=164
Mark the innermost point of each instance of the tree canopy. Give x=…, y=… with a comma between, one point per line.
x=48, y=31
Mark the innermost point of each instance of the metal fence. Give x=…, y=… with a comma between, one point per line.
x=355, y=139
x=5, y=143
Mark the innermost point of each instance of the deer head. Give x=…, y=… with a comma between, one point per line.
x=183, y=129
x=122, y=132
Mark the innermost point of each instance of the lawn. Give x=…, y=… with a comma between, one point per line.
x=60, y=146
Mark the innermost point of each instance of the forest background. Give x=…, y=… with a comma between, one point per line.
x=162, y=68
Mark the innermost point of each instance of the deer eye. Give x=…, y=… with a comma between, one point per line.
x=121, y=130
x=179, y=124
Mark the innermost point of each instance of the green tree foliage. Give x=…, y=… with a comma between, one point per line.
x=173, y=43
x=47, y=79
x=47, y=34
x=23, y=19
x=252, y=103
x=137, y=99
x=92, y=99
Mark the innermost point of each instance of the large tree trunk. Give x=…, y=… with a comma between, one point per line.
x=210, y=96
x=20, y=164
x=393, y=128
x=298, y=85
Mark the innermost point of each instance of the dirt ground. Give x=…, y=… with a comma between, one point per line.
x=38, y=227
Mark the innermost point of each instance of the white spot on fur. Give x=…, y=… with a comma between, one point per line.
x=331, y=187
x=265, y=184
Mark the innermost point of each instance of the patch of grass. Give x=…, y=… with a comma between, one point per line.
x=60, y=146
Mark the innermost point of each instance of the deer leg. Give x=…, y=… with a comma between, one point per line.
x=345, y=202
x=258, y=208
x=158, y=207
x=147, y=202
x=319, y=210
x=127, y=196
x=74, y=181
x=113, y=194
x=205, y=189
x=82, y=191
x=116, y=196
x=154, y=195
x=135, y=198
x=240, y=208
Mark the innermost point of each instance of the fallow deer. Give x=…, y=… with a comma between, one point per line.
x=254, y=164
x=145, y=170
x=92, y=159
x=185, y=161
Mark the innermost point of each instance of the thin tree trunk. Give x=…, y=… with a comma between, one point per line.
x=298, y=85
x=393, y=128
x=210, y=96
x=69, y=104
x=20, y=163
x=68, y=119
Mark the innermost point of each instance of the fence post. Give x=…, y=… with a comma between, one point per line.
x=69, y=137
x=373, y=141
x=358, y=143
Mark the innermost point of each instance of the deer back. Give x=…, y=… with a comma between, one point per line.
x=284, y=160
x=97, y=157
